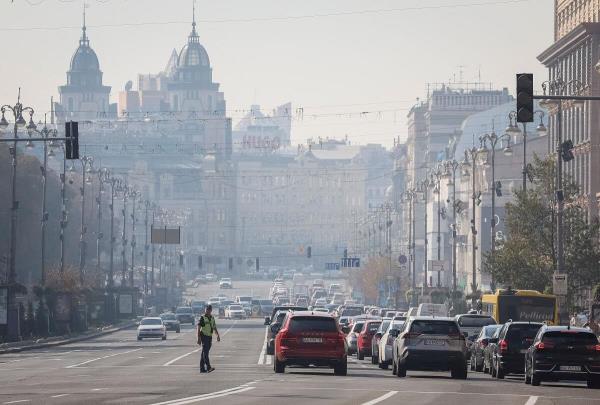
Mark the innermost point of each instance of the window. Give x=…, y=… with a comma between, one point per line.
x=312, y=324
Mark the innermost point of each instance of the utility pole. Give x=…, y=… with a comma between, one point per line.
x=146, y=247
x=125, y=191
x=86, y=164
x=134, y=194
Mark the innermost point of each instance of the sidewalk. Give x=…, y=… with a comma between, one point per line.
x=16, y=347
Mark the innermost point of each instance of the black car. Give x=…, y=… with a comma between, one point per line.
x=185, y=315
x=274, y=327
x=170, y=321
x=488, y=351
x=513, y=341
x=385, y=322
x=479, y=344
x=288, y=307
x=563, y=353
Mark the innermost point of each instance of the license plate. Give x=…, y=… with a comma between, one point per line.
x=434, y=342
x=570, y=368
x=312, y=340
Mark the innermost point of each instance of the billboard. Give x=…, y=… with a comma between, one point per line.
x=165, y=236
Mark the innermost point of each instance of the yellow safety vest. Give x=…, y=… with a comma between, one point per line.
x=209, y=325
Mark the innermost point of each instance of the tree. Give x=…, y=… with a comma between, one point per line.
x=527, y=259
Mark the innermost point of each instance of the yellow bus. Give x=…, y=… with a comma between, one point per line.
x=520, y=305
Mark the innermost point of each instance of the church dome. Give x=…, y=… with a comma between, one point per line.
x=193, y=53
x=84, y=58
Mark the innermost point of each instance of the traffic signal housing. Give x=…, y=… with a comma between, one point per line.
x=566, y=150
x=309, y=252
x=72, y=142
x=524, y=97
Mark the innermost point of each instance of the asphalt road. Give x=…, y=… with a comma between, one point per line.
x=118, y=369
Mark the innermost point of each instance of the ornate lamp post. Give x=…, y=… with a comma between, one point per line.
x=410, y=195
x=470, y=162
x=436, y=177
x=424, y=186
x=451, y=167
x=86, y=169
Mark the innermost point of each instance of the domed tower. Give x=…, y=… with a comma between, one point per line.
x=84, y=97
x=191, y=87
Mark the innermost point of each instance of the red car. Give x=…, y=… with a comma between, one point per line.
x=363, y=344
x=310, y=339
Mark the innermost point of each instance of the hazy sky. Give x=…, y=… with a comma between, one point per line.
x=377, y=60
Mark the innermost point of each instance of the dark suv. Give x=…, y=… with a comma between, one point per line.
x=563, y=353
x=310, y=339
x=513, y=341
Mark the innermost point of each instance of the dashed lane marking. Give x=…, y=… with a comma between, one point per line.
x=381, y=398
x=532, y=400
x=102, y=358
x=261, y=356
x=205, y=397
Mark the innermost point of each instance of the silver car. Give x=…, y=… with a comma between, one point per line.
x=386, y=343
x=430, y=343
x=352, y=337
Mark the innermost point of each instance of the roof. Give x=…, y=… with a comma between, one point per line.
x=316, y=314
x=561, y=328
x=432, y=318
x=193, y=53
x=346, y=152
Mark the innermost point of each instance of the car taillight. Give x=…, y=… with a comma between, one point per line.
x=544, y=345
x=594, y=348
x=503, y=344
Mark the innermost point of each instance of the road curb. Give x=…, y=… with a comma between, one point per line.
x=68, y=340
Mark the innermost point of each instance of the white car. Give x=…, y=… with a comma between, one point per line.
x=386, y=344
x=211, y=277
x=225, y=283
x=151, y=327
x=235, y=312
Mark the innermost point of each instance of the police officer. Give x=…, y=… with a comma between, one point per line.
x=206, y=327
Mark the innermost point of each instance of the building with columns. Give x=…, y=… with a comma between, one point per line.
x=571, y=59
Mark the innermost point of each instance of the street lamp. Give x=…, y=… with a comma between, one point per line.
x=124, y=190
x=17, y=110
x=559, y=87
x=451, y=167
x=470, y=162
x=133, y=194
x=86, y=168
x=410, y=196
x=513, y=129
x=424, y=186
x=437, y=176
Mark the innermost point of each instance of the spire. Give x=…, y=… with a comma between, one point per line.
x=194, y=35
x=84, y=39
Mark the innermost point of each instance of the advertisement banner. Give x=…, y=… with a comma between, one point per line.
x=125, y=304
x=3, y=305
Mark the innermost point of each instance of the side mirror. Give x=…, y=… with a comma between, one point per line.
x=466, y=334
x=394, y=333
x=267, y=320
x=275, y=328
x=492, y=340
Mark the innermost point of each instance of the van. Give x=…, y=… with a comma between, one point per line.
x=427, y=309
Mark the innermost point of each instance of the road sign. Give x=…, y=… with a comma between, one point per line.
x=332, y=266
x=438, y=265
x=350, y=262
x=402, y=259
x=559, y=284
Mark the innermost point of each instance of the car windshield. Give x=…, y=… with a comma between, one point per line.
x=245, y=299
x=396, y=325
x=384, y=325
x=373, y=326
x=358, y=326
x=352, y=311
x=151, y=321
x=279, y=316
x=312, y=324
x=570, y=338
x=490, y=331
x=184, y=310
x=434, y=327
x=475, y=321
x=235, y=307
x=168, y=317
x=266, y=302
x=522, y=335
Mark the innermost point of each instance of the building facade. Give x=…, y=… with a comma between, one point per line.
x=571, y=60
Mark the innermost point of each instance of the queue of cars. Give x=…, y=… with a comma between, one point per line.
x=416, y=341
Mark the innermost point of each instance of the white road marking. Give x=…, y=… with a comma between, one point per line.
x=102, y=358
x=18, y=401
x=261, y=356
x=381, y=398
x=60, y=395
x=205, y=397
x=532, y=400
x=269, y=360
x=168, y=363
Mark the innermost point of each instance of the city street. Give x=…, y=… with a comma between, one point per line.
x=119, y=369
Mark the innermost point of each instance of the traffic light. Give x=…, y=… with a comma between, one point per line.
x=524, y=97
x=231, y=264
x=309, y=252
x=345, y=252
x=200, y=262
x=566, y=150
x=72, y=142
x=180, y=259
x=257, y=265
x=498, y=189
